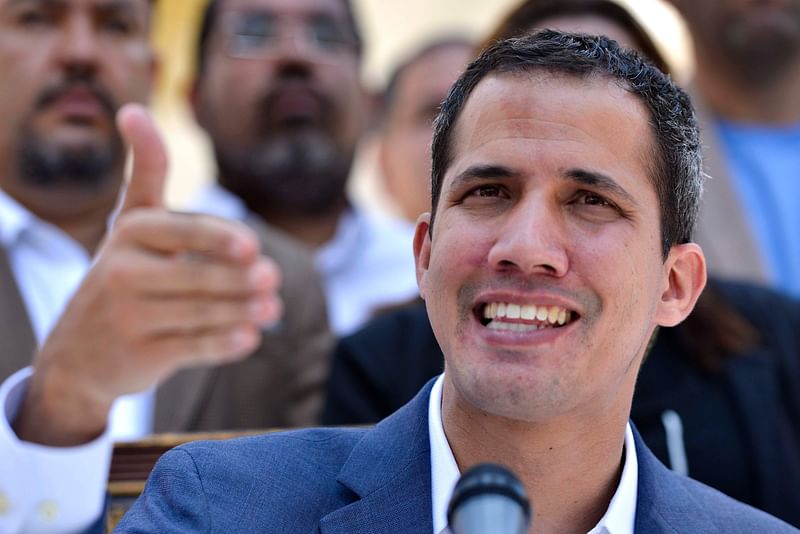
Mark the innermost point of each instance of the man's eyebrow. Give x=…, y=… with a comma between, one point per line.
x=13, y=3
x=477, y=173
x=116, y=5
x=600, y=182
x=109, y=4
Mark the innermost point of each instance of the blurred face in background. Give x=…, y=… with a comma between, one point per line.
x=281, y=99
x=405, y=152
x=758, y=38
x=67, y=66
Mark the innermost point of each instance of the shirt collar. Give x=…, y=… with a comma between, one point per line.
x=618, y=519
x=341, y=251
x=14, y=220
x=218, y=201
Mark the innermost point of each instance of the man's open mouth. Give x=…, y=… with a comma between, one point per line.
x=523, y=317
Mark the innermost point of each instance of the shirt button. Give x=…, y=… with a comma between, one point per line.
x=5, y=504
x=48, y=511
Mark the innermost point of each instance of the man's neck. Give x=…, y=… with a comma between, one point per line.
x=570, y=468
x=87, y=230
x=731, y=98
x=83, y=219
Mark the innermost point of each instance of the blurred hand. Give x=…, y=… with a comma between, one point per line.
x=167, y=291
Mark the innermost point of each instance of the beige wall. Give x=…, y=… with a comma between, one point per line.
x=392, y=28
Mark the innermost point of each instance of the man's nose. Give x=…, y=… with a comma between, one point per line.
x=532, y=240
x=79, y=46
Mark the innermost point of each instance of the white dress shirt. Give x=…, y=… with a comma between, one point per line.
x=49, y=489
x=618, y=519
x=367, y=265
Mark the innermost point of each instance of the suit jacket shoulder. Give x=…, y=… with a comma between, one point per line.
x=371, y=481
x=318, y=480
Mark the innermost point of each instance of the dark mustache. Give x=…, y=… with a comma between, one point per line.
x=267, y=104
x=97, y=91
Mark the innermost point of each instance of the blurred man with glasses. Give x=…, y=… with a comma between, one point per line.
x=278, y=92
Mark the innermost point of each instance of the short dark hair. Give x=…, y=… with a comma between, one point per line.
x=676, y=171
x=209, y=19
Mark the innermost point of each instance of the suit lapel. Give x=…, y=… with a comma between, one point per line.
x=16, y=333
x=723, y=231
x=390, y=471
x=662, y=503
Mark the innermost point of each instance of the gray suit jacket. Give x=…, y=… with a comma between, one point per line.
x=280, y=385
x=372, y=480
x=723, y=230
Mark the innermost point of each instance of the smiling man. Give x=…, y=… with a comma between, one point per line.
x=566, y=179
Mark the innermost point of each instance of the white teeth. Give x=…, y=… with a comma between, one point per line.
x=512, y=327
x=554, y=315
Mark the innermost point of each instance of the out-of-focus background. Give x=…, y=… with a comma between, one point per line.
x=392, y=29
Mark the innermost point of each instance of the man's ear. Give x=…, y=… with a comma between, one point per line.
x=422, y=250
x=685, y=271
x=155, y=70
x=193, y=97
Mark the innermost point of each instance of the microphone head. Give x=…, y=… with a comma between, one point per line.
x=489, y=498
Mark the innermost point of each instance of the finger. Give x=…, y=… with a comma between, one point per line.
x=149, y=171
x=145, y=275
x=210, y=347
x=170, y=232
x=162, y=317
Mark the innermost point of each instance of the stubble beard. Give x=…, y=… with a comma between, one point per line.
x=45, y=164
x=302, y=172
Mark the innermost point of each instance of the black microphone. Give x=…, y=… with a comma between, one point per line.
x=489, y=498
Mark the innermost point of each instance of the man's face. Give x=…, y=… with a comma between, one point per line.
x=281, y=100
x=760, y=36
x=67, y=65
x=544, y=274
x=406, y=141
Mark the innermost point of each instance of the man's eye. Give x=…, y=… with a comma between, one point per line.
x=120, y=26
x=486, y=191
x=327, y=33
x=34, y=18
x=593, y=199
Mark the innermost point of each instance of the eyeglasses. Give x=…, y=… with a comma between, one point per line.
x=263, y=35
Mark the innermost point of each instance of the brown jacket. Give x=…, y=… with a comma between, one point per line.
x=723, y=230
x=280, y=385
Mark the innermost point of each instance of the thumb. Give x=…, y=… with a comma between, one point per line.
x=146, y=186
